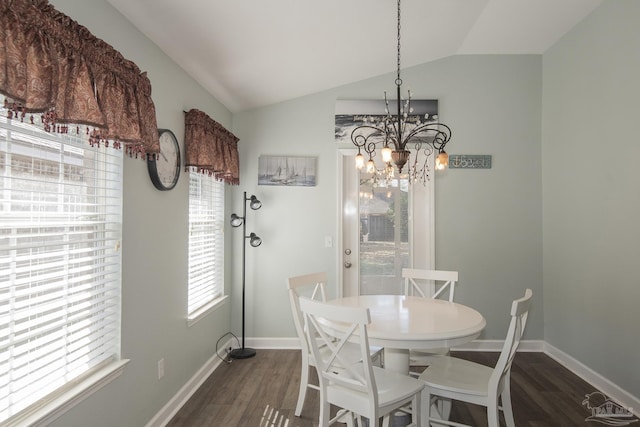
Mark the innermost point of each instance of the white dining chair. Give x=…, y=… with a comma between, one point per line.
x=428, y=284
x=312, y=286
x=458, y=379
x=350, y=381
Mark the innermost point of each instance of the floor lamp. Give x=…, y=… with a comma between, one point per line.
x=255, y=241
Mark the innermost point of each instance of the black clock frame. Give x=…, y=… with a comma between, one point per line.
x=152, y=168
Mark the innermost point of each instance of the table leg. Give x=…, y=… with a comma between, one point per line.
x=396, y=360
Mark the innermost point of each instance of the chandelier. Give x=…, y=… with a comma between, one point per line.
x=395, y=135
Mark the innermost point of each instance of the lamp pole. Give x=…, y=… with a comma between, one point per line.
x=243, y=352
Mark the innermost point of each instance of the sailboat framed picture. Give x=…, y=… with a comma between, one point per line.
x=287, y=171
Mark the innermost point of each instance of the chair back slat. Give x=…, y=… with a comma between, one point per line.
x=330, y=326
x=312, y=285
x=429, y=283
x=519, y=314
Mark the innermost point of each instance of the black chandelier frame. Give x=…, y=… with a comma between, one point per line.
x=396, y=137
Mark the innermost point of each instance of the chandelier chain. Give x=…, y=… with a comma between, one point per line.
x=399, y=80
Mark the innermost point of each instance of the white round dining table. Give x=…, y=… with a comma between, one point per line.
x=399, y=323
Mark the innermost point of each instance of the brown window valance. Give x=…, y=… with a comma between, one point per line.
x=52, y=65
x=210, y=148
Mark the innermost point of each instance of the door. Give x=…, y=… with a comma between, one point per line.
x=385, y=226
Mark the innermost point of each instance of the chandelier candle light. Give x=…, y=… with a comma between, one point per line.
x=395, y=133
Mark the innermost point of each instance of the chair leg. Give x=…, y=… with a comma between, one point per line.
x=304, y=384
x=444, y=408
x=425, y=405
x=325, y=416
x=493, y=413
x=344, y=416
x=349, y=422
x=416, y=410
x=507, y=409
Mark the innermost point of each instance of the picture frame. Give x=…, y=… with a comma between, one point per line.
x=350, y=114
x=287, y=171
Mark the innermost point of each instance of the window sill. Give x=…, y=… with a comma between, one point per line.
x=201, y=313
x=47, y=412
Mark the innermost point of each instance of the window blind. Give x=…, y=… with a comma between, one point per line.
x=60, y=262
x=206, y=241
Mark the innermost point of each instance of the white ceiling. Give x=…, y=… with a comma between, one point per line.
x=251, y=53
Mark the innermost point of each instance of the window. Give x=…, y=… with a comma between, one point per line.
x=60, y=264
x=206, y=243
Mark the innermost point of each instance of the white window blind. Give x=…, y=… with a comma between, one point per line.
x=206, y=242
x=60, y=263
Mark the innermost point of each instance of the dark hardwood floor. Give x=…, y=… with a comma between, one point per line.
x=262, y=392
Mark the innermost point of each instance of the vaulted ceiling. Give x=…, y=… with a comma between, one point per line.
x=251, y=53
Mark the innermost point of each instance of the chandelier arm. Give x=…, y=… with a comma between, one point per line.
x=439, y=128
x=370, y=149
x=441, y=134
x=441, y=139
x=360, y=140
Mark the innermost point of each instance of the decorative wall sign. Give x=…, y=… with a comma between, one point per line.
x=469, y=161
x=287, y=171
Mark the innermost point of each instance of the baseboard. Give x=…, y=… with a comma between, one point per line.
x=496, y=345
x=272, y=343
x=477, y=345
x=599, y=382
x=611, y=390
x=172, y=407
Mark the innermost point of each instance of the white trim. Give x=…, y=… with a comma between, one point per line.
x=172, y=407
x=496, y=345
x=340, y=154
x=205, y=310
x=47, y=413
x=601, y=383
x=280, y=343
x=283, y=343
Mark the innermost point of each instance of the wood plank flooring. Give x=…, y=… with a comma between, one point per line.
x=262, y=392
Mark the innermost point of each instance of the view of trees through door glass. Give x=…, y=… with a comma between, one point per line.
x=384, y=234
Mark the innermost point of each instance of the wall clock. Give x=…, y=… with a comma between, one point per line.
x=164, y=169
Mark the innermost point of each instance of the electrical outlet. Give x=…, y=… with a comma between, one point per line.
x=160, y=368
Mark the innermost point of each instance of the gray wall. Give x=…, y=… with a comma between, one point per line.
x=488, y=222
x=154, y=247
x=591, y=199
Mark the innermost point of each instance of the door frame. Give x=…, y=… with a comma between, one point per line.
x=426, y=260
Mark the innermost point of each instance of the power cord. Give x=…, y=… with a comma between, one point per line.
x=226, y=359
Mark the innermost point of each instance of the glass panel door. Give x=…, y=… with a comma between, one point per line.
x=384, y=234
x=386, y=225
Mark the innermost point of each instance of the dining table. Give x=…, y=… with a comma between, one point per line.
x=401, y=323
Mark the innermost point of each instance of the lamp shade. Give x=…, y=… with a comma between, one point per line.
x=255, y=204
x=236, y=221
x=254, y=240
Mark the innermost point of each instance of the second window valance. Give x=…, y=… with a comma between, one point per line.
x=210, y=148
